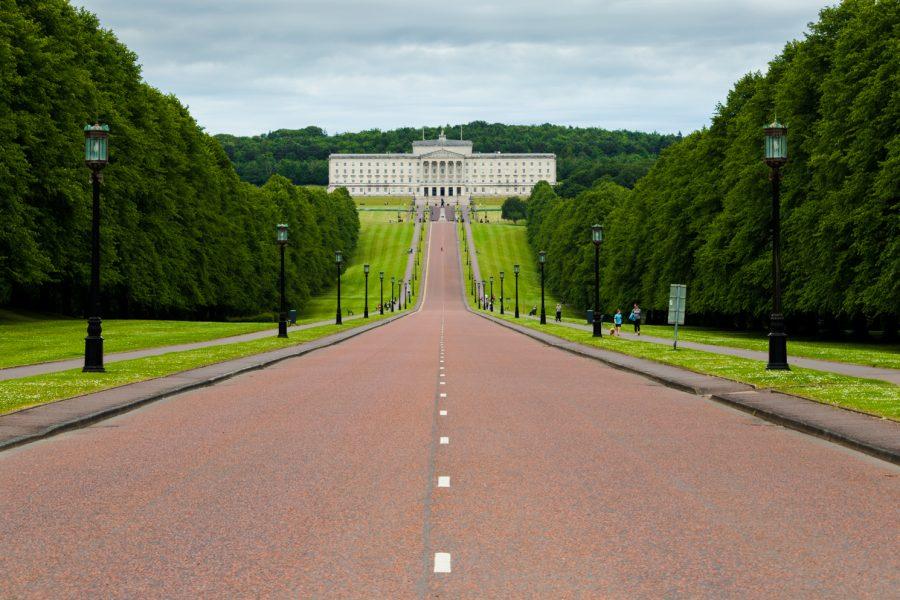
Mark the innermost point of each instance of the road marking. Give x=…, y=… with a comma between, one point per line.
x=443, y=413
x=443, y=383
x=445, y=440
x=443, y=395
x=444, y=481
x=442, y=368
x=441, y=562
x=442, y=374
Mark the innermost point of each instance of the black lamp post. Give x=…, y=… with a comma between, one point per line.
x=392, y=293
x=597, y=238
x=381, y=286
x=484, y=298
x=491, y=297
x=516, y=273
x=281, y=236
x=366, y=303
x=338, y=259
x=96, y=156
x=776, y=157
x=542, y=258
x=501, y=291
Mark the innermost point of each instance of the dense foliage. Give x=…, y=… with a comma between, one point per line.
x=583, y=155
x=702, y=214
x=181, y=234
x=513, y=209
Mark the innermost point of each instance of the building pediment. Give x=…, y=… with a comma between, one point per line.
x=442, y=154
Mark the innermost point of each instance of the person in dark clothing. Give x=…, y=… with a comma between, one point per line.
x=635, y=318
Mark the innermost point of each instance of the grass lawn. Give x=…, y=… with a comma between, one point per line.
x=16, y=394
x=370, y=202
x=28, y=339
x=873, y=355
x=492, y=200
x=497, y=241
x=499, y=247
x=384, y=245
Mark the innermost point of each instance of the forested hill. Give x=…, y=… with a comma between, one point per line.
x=182, y=235
x=584, y=155
x=702, y=215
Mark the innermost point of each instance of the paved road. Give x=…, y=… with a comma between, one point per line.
x=324, y=477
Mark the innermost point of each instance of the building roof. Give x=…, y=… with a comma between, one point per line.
x=442, y=142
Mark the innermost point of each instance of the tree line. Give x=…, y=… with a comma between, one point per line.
x=584, y=154
x=182, y=235
x=702, y=214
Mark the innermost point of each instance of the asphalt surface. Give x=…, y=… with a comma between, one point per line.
x=323, y=476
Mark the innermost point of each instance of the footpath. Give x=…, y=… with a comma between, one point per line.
x=37, y=422
x=869, y=434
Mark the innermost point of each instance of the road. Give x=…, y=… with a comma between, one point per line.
x=324, y=476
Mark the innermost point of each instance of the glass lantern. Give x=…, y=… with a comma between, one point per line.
x=597, y=233
x=281, y=233
x=776, y=143
x=96, y=145
x=542, y=257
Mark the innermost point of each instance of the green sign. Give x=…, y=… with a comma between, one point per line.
x=677, y=298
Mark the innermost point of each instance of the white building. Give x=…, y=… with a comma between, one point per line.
x=440, y=168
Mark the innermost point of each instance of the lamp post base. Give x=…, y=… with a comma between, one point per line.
x=93, y=347
x=282, y=327
x=598, y=326
x=777, y=352
x=777, y=345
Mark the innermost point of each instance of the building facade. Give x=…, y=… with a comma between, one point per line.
x=440, y=168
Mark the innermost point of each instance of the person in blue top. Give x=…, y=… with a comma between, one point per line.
x=617, y=319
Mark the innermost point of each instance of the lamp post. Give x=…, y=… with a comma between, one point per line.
x=96, y=156
x=483, y=294
x=338, y=259
x=516, y=273
x=502, y=274
x=776, y=157
x=597, y=238
x=366, y=304
x=491, y=297
x=392, y=293
x=542, y=258
x=381, y=286
x=281, y=236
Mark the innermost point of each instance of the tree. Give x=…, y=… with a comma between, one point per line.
x=513, y=209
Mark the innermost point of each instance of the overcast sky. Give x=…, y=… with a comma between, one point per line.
x=249, y=66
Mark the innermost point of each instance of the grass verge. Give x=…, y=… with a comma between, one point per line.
x=878, y=398
x=16, y=394
x=26, y=340
x=384, y=245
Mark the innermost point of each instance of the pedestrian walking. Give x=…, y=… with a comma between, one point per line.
x=617, y=320
x=635, y=317
x=558, y=312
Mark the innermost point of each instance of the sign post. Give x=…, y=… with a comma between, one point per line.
x=677, y=298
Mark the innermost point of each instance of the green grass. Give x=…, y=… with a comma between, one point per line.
x=16, y=394
x=878, y=398
x=499, y=247
x=873, y=355
x=28, y=338
x=490, y=200
x=382, y=244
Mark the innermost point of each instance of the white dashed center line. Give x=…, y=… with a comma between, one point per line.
x=441, y=562
x=443, y=413
x=444, y=481
x=445, y=440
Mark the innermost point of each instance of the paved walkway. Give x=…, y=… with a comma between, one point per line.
x=443, y=456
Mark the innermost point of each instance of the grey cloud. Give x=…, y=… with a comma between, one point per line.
x=249, y=67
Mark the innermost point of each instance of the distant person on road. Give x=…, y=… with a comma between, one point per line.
x=558, y=312
x=618, y=322
x=635, y=317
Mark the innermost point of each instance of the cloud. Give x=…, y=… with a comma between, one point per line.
x=248, y=67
